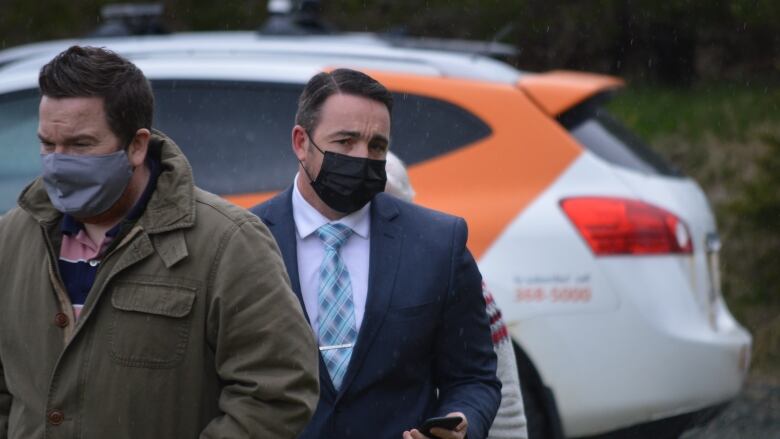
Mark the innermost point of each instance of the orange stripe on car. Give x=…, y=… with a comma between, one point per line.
x=490, y=181
x=250, y=200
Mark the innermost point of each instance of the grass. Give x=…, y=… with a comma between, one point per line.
x=727, y=137
x=726, y=111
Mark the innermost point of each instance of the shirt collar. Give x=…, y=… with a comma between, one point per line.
x=308, y=219
x=70, y=225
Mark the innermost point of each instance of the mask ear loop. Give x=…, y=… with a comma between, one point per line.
x=311, y=180
x=311, y=140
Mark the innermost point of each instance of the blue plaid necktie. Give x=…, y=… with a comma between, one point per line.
x=336, y=331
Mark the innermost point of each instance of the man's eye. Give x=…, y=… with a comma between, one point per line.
x=346, y=141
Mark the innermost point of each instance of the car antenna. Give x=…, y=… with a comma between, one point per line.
x=509, y=52
x=295, y=17
x=126, y=19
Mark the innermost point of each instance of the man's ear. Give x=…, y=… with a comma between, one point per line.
x=299, y=137
x=138, y=147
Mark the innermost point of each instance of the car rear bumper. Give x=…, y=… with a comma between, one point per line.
x=639, y=375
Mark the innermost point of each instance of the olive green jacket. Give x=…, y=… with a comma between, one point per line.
x=190, y=329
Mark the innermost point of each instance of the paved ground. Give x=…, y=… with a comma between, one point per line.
x=755, y=414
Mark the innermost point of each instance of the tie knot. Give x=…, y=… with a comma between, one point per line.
x=334, y=235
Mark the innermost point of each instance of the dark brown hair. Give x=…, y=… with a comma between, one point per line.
x=322, y=85
x=97, y=72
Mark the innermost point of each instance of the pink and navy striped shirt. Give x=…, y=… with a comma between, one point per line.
x=80, y=256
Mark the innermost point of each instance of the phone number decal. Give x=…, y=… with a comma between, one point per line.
x=555, y=294
x=554, y=289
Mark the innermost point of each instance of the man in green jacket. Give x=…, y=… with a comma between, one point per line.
x=133, y=304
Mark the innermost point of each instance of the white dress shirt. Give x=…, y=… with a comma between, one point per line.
x=311, y=251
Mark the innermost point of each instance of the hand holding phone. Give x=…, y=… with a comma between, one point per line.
x=445, y=422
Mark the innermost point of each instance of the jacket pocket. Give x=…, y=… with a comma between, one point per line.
x=150, y=324
x=413, y=311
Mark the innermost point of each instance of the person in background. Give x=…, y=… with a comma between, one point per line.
x=510, y=422
x=133, y=304
x=390, y=288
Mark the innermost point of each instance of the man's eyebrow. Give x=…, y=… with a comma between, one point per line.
x=377, y=138
x=80, y=137
x=71, y=140
x=380, y=138
x=345, y=133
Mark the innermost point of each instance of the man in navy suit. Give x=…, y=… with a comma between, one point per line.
x=389, y=288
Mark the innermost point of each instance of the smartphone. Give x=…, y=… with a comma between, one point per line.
x=445, y=422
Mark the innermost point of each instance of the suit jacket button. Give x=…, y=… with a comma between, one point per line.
x=55, y=417
x=61, y=320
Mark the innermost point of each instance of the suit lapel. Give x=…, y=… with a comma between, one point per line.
x=384, y=257
x=278, y=216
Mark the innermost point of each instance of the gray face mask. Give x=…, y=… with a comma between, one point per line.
x=85, y=185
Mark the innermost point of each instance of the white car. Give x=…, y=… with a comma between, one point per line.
x=602, y=258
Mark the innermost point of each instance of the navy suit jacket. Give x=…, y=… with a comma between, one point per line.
x=424, y=328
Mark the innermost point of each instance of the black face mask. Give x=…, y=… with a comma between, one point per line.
x=347, y=183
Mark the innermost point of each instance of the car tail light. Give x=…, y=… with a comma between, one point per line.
x=618, y=226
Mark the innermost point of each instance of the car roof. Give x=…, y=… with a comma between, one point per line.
x=250, y=55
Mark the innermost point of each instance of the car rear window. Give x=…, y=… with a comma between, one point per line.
x=19, y=151
x=424, y=128
x=236, y=135
x=601, y=133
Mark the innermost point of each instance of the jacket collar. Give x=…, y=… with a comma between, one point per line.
x=279, y=208
x=171, y=206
